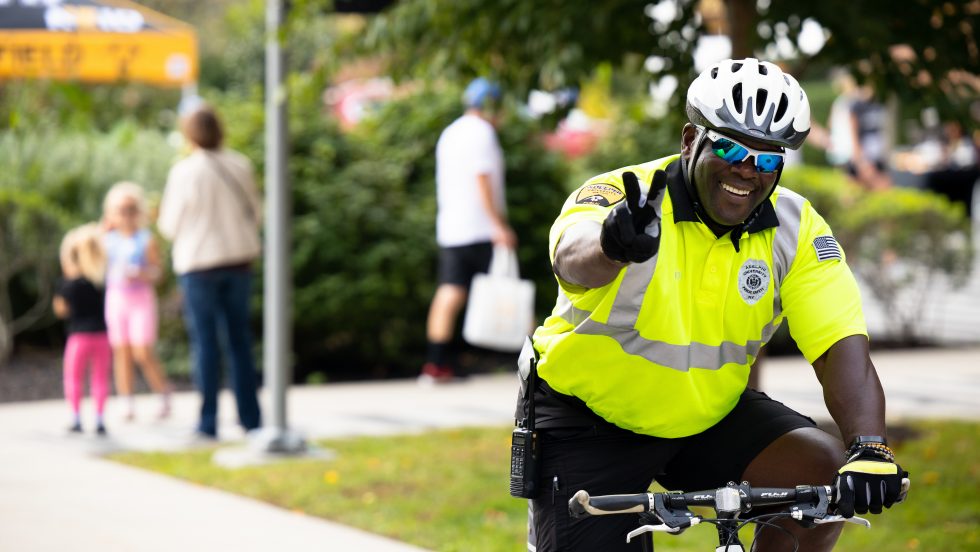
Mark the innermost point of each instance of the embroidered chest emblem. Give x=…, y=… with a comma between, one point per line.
x=753, y=280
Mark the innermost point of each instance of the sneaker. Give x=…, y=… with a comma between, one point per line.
x=100, y=431
x=75, y=428
x=433, y=373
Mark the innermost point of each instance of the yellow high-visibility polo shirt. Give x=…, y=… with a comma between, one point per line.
x=665, y=348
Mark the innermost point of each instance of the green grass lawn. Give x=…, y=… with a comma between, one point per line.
x=448, y=490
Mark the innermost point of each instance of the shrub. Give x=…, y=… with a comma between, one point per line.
x=364, y=252
x=75, y=169
x=68, y=173
x=363, y=226
x=30, y=234
x=900, y=240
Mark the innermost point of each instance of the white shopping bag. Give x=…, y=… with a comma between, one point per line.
x=500, y=310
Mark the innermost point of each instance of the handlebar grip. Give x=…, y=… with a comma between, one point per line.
x=581, y=504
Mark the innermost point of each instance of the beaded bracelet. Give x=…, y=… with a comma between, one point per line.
x=880, y=450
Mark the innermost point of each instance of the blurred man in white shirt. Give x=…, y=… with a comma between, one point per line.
x=471, y=219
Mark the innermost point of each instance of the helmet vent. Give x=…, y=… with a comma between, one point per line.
x=736, y=66
x=763, y=70
x=737, y=97
x=714, y=73
x=760, y=101
x=781, y=108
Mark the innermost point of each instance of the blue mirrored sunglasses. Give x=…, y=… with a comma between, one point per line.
x=735, y=152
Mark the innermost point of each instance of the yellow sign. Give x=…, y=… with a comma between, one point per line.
x=166, y=58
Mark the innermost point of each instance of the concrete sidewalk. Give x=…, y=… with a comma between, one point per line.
x=57, y=493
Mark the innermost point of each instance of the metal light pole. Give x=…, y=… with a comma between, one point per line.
x=275, y=436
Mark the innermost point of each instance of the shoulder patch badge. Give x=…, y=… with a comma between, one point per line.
x=753, y=280
x=602, y=195
x=827, y=248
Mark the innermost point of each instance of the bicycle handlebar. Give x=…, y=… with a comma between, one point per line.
x=809, y=503
x=739, y=498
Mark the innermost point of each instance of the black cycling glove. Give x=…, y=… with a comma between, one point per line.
x=624, y=236
x=867, y=484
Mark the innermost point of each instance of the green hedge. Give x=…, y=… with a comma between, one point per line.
x=363, y=247
x=897, y=239
x=364, y=254
x=76, y=168
x=31, y=227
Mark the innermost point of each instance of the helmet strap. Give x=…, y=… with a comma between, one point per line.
x=688, y=172
x=692, y=190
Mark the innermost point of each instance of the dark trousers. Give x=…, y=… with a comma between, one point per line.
x=216, y=312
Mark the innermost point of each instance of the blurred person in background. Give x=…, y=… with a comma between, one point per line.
x=471, y=218
x=960, y=151
x=80, y=299
x=855, y=138
x=673, y=273
x=211, y=210
x=869, y=160
x=131, y=300
x=838, y=138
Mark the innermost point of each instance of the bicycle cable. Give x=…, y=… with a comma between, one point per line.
x=765, y=520
x=761, y=520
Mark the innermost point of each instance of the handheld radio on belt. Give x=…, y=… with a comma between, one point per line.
x=524, y=447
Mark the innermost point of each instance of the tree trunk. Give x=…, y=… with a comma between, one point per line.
x=741, y=27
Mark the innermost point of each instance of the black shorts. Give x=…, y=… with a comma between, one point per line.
x=607, y=460
x=458, y=265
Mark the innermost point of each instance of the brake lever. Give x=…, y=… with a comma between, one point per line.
x=841, y=519
x=815, y=512
x=812, y=511
x=678, y=518
x=657, y=529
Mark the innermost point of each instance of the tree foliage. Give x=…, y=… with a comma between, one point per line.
x=546, y=43
x=925, y=51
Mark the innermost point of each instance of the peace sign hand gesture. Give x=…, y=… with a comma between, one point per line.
x=624, y=236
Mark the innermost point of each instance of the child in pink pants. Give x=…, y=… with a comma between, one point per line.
x=132, y=269
x=81, y=300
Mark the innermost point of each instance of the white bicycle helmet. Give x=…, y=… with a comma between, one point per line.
x=751, y=98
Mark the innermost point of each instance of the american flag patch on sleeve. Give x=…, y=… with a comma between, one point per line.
x=827, y=248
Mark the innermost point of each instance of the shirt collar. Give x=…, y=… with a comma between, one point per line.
x=683, y=205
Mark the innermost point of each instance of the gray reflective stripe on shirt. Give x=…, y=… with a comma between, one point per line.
x=678, y=357
x=629, y=298
x=568, y=312
x=625, y=311
x=789, y=211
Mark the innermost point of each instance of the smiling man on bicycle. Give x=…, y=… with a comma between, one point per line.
x=673, y=274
